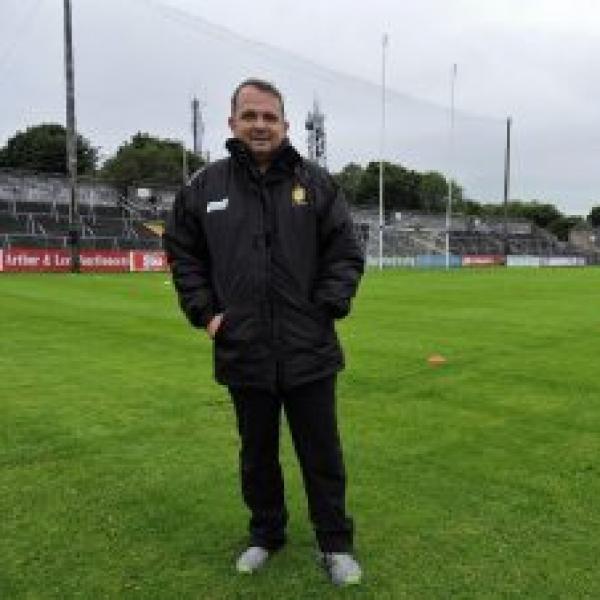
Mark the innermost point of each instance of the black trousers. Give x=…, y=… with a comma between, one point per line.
x=310, y=412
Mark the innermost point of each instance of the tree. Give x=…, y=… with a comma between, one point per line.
x=469, y=207
x=349, y=180
x=367, y=189
x=458, y=193
x=433, y=191
x=401, y=187
x=44, y=148
x=149, y=160
x=543, y=215
x=562, y=226
x=594, y=217
x=404, y=189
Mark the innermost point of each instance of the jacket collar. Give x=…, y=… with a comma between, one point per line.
x=285, y=160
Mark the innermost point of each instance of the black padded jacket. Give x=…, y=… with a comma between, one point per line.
x=276, y=253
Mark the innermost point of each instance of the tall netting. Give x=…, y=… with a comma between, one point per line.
x=417, y=133
x=138, y=68
x=215, y=59
x=170, y=56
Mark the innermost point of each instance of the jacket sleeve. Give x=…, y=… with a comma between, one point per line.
x=341, y=262
x=188, y=257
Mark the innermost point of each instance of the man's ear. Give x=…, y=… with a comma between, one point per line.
x=286, y=126
x=231, y=123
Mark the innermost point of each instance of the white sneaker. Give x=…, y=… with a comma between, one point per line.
x=252, y=559
x=342, y=568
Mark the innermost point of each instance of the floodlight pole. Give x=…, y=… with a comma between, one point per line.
x=384, y=43
x=450, y=181
x=74, y=225
x=507, y=183
x=185, y=174
x=195, y=122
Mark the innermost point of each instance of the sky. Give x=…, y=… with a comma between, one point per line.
x=139, y=63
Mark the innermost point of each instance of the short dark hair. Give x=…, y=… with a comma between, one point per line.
x=260, y=84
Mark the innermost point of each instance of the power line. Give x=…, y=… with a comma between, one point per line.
x=199, y=25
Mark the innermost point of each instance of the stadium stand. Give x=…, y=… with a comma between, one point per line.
x=34, y=211
x=413, y=233
x=587, y=239
x=7, y=206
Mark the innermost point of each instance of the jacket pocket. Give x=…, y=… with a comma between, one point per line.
x=238, y=327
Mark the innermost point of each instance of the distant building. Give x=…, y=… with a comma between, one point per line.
x=317, y=138
x=585, y=237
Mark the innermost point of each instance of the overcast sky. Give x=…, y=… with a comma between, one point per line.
x=138, y=63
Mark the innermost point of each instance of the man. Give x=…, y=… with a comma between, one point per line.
x=264, y=257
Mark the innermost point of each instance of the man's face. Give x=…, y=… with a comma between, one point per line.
x=258, y=122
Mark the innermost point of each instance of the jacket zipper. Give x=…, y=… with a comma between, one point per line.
x=268, y=242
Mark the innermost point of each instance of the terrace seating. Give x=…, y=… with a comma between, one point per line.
x=108, y=212
x=107, y=227
x=52, y=225
x=34, y=211
x=476, y=243
x=99, y=243
x=34, y=207
x=148, y=244
x=10, y=223
x=145, y=213
x=32, y=241
x=7, y=206
x=64, y=209
x=125, y=226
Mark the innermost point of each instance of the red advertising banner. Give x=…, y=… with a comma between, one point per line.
x=148, y=261
x=483, y=260
x=36, y=260
x=104, y=261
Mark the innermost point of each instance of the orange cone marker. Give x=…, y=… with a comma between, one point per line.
x=436, y=360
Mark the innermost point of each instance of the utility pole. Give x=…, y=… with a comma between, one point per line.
x=450, y=180
x=507, y=184
x=197, y=127
x=74, y=224
x=184, y=164
x=384, y=43
x=195, y=110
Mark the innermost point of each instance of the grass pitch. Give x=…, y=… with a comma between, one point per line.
x=478, y=478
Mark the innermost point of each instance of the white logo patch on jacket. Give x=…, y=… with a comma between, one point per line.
x=217, y=205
